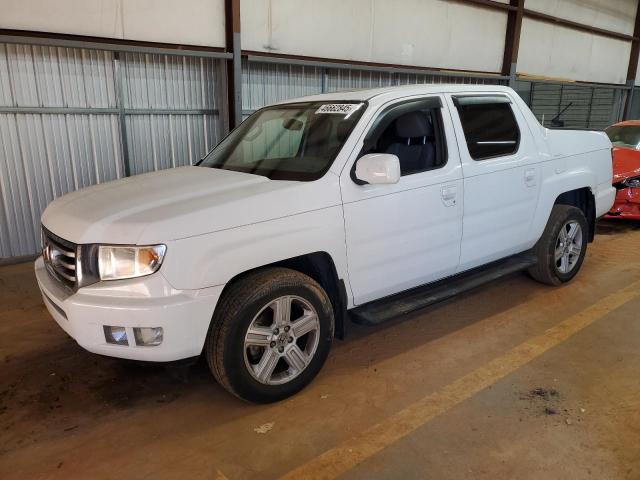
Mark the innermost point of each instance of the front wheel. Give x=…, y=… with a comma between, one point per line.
x=270, y=335
x=562, y=247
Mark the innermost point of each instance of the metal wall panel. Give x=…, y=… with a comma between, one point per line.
x=61, y=124
x=346, y=79
x=45, y=155
x=40, y=76
x=157, y=142
x=191, y=89
x=634, y=109
x=266, y=82
x=590, y=107
x=66, y=113
x=170, y=82
x=607, y=107
x=421, y=78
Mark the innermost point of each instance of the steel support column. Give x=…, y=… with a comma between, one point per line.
x=234, y=65
x=512, y=41
x=122, y=122
x=632, y=69
x=626, y=115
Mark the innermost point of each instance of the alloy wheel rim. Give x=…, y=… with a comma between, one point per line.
x=568, y=246
x=281, y=340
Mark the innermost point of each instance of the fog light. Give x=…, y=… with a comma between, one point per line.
x=147, y=336
x=115, y=335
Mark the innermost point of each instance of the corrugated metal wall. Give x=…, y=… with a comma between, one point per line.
x=172, y=106
x=591, y=107
x=73, y=117
x=266, y=82
x=46, y=154
x=66, y=113
x=634, y=109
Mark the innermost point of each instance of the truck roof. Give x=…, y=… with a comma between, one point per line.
x=390, y=93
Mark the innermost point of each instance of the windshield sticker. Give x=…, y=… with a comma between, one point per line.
x=339, y=108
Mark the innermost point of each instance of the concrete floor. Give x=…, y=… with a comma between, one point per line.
x=448, y=393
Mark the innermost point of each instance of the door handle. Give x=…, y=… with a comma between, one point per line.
x=449, y=194
x=530, y=177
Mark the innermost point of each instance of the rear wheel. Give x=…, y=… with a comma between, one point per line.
x=562, y=247
x=270, y=336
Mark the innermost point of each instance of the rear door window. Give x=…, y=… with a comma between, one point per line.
x=489, y=126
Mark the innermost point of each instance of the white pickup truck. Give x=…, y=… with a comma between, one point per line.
x=360, y=205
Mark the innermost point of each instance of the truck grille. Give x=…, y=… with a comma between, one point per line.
x=60, y=258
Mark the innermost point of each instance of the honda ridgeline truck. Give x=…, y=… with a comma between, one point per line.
x=360, y=205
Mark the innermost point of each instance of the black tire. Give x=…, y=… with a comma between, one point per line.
x=240, y=303
x=547, y=270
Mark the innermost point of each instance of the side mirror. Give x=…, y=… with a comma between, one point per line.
x=378, y=168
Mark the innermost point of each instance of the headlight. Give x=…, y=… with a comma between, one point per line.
x=633, y=182
x=119, y=262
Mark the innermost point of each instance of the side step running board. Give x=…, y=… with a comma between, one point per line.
x=379, y=311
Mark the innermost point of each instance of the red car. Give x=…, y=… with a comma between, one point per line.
x=625, y=137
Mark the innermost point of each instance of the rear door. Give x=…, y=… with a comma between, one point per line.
x=407, y=234
x=501, y=176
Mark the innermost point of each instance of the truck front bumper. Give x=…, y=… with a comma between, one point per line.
x=183, y=315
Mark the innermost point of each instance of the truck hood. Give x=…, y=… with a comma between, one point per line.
x=626, y=163
x=178, y=203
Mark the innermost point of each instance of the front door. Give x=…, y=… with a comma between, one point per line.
x=407, y=234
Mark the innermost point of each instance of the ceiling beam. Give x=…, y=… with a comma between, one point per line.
x=487, y=3
x=109, y=44
x=543, y=17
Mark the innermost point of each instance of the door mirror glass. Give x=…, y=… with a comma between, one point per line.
x=378, y=168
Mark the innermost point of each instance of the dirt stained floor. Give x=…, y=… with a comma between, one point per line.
x=571, y=413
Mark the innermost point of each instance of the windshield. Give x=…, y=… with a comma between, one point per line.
x=624, y=136
x=287, y=142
